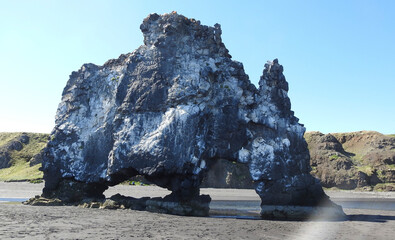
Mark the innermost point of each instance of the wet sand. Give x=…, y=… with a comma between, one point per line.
x=32, y=222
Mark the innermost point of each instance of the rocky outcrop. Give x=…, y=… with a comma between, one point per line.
x=5, y=159
x=37, y=159
x=169, y=111
x=364, y=160
x=195, y=207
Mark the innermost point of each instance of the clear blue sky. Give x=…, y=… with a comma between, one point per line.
x=338, y=56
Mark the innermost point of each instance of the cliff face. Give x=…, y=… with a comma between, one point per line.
x=363, y=159
x=169, y=111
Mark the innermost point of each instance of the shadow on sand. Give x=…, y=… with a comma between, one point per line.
x=370, y=218
x=352, y=218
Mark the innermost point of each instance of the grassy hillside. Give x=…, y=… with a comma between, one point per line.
x=17, y=150
x=7, y=137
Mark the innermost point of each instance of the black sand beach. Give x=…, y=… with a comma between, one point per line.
x=31, y=222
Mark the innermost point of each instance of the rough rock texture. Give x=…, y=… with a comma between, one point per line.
x=170, y=110
x=195, y=207
x=5, y=160
x=37, y=159
x=41, y=201
x=364, y=159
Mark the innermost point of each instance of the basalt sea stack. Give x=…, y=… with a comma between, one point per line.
x=171, y=109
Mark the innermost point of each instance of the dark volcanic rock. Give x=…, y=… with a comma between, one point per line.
x=37, y=159
x=171, y=109
x=194, y=207
x=5, y=159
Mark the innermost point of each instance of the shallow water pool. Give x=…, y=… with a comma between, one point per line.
x=13, y=199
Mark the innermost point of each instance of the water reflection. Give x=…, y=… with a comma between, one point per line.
x=251, y=209
x=13, y=199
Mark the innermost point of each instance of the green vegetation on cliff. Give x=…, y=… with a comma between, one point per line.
x=21, y=172
x=17, y=156
x=364, y=160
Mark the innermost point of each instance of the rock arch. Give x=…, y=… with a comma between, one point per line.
x=167, y=111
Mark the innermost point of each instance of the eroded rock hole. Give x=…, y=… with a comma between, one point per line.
x=151, y=193
x=223, y=173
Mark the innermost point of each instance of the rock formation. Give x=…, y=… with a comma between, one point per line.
x=364, y=160
x=168, y=111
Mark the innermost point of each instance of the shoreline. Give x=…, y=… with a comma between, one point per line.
x=231, y=200
x=68, y=222
x=28, y=190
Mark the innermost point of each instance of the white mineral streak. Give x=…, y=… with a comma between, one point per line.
x=262, y=155
x=148, y=139
x=83, y=120
x=286, y=142
x=244, y=155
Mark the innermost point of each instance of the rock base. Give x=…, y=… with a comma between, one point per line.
x=199, y=207
x=42, y=201
x=196, y=207
x=288, y=212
